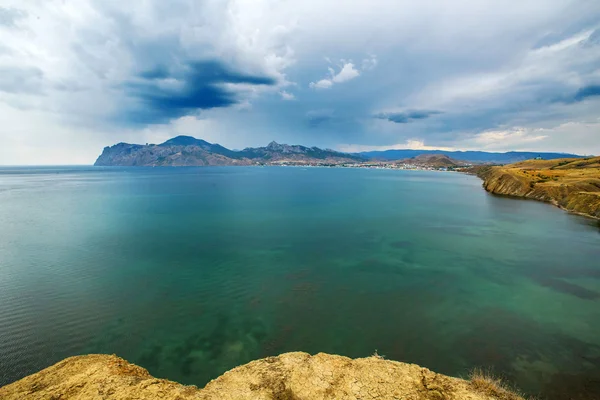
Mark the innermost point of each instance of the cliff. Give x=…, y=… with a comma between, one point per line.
x=290, y=376
x=572, y=183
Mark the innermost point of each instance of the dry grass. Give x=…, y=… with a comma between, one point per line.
x=486, y=383
x=571, y=183
x=557, y=172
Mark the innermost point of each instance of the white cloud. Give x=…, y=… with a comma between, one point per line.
x=347, y=72
x=287, y=96
x=322, y=84
x=510, y=138
x=582, y=136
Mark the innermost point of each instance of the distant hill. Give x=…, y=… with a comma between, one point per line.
x=189, y=151
x=203, y=144
x=471, y=156
x=433, y=160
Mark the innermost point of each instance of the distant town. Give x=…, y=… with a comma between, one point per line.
x=370, y=165
x=426, y=162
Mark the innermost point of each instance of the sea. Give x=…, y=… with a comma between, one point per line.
x=190, y=272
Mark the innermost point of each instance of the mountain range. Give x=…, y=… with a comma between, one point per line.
x=189, y=151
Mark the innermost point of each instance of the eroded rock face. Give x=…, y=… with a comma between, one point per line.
x=290, y=376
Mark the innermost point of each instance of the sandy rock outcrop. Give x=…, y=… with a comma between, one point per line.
x=290, y=376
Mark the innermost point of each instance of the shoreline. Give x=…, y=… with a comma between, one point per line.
x=552, y=201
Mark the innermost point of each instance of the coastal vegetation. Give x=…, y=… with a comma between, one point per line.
x=485, y=382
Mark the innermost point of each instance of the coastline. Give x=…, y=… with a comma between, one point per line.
x=551, y=203
x=498, y=181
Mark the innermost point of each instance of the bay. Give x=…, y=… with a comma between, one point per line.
x=190, y=272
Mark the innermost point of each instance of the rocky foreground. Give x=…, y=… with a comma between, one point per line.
x=290, y=376
x=570, y=183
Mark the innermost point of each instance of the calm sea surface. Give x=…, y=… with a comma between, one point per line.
x=189, y=272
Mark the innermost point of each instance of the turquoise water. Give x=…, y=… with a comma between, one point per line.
x=192, y=271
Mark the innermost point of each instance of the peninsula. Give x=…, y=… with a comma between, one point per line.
x=569, y=183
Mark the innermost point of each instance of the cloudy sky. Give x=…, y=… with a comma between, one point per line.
x=78, y=75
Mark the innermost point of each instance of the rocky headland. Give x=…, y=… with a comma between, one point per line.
x=570, y=183
x=290, y=376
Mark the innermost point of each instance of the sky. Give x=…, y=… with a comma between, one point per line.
x=79, y=75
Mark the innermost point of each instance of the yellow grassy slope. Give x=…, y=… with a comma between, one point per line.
x=570, y=183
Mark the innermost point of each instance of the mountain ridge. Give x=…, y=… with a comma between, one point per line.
x=189, y=151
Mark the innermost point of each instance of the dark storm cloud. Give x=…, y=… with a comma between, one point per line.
x=407, y=116
x=167, y=81
x=167, y=94
x=578, y=96
x=585, y=92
